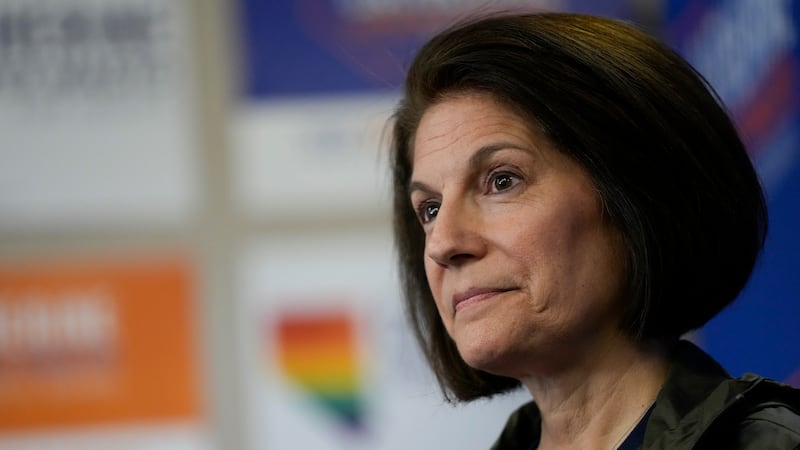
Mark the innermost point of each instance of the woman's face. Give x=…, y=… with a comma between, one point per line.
x=526, y=272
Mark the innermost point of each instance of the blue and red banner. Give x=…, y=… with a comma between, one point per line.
x=303, y=47
x=749, y=52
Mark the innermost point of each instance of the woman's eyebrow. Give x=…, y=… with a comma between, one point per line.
x=415, y=186
x=478, y=158
x=476, y=162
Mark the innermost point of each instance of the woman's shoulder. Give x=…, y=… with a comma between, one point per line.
x=702, y=407
x=776, y=426
x=748, y=413
x=764, y=415
x=768, y=419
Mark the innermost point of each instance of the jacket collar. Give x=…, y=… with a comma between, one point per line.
x=697, y=391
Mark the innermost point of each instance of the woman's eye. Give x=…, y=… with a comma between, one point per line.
x=502, y=182
x=427, y=211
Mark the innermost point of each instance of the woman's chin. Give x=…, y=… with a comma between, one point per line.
x=499, y=357
x=488, y=356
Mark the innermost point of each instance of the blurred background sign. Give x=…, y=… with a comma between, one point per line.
x=97, y=343
x=95, y=114
x=311, y=47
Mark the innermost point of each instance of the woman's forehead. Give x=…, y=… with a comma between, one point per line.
x=469, y=122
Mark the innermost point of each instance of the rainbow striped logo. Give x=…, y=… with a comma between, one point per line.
x=318, y=353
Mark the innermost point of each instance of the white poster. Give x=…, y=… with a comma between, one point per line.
x=328, y=361
x=312, y=156
x=96, y=118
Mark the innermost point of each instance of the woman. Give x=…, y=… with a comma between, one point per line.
x=570, y=199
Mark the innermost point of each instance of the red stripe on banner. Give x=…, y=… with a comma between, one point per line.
x=768, y=106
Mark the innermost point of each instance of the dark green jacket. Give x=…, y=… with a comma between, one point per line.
x=699, y=407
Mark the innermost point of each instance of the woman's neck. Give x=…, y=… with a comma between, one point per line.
x=595, y=405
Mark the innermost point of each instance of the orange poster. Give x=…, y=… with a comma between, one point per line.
x=96, y=342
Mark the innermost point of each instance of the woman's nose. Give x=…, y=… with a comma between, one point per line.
x=454, y=238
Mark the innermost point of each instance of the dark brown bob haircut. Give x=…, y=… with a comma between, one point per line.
x=667, y=162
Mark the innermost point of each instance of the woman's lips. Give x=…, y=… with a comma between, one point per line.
x=475, y=295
